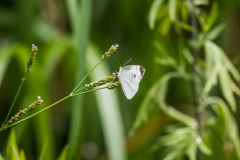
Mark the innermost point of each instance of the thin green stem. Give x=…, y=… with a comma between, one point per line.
x=78, y=90
x=89, y=91
x=86, y=76
x=16, y=96
x=24, y=119
x=48, y=107
x=194, y=73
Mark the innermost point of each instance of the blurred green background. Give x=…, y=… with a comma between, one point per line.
x=71, y=37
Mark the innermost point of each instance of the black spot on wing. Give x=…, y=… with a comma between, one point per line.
x=142, y=70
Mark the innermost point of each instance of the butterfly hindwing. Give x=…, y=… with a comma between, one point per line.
x=128, y=89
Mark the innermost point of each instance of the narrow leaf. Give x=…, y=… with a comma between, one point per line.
x=15, y=154
x=230, y=124
x=187, y=54
x=12, y=148
x=204, y=148
x=214, y=33
x=63, y=154
x=191, y=151
x=213, y=14
x=6, y=53
x=226, y=90
x=43, y=150
x=1, y=157
x=172, y=9
x=22, y=155
x=108, y=104
x=156, y=5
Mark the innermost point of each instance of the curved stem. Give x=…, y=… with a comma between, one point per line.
x=194, y=73
x=89, y=91
x=86, y=76
x=48, y=107
x=78, y=90
x=16, y=96
x=34, y=114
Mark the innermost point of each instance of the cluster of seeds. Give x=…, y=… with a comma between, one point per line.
x=111, y=50
x=31, y=58
x=100, y=82
x=24, y=112
x=114, y=85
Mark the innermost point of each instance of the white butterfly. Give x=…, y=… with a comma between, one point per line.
x=130, y=77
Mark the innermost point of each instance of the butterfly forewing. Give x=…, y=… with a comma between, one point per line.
x=136, y=70
x=130, y=77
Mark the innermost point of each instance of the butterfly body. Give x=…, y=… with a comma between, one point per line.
x=130, y=77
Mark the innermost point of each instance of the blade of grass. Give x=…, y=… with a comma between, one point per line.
x=6, y=53
x=108, y=104
x=80, y=28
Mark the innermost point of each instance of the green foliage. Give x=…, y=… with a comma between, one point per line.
x=13, y=152
x=63, y=155
x=72, y=35
x=214, y=70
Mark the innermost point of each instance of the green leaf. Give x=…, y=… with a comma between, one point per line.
x=177, y=115
x=63, y=154
x=175, y=152
x=6, y=54
x=226, y=89
x=185, y=26
x=173, y=143
x=187, y=54
x=163, y=51
x=157, y=94
x=213, y=15
x=214, y=33
x=166, y=61
x=201, y=2
x=108, y=105
x=229, y=65
x=172, y=9
x=1, y=157
x=144, y=107
x=205, y=149
x=211, y=80
x=12, y=148
x=217, y=63
x=230, y=125
x=81, y=20
x=191, y=151
x=183, y=11
x=22, y=155
x=43, y=150
x=156, y=5
x=165, y=26
x=15, y=152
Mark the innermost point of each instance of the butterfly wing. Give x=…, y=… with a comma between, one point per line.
x=130, y=77
x=127, y=88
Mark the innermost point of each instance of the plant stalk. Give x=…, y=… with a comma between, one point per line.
x=194, y=73
x=48, y=107
x=15, y=98
x=86, y=76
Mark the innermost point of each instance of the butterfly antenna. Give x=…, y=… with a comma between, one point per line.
x=127, y=61
x=117, y=61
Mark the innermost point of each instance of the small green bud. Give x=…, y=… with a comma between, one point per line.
x=111, y=50
x=114, y=85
